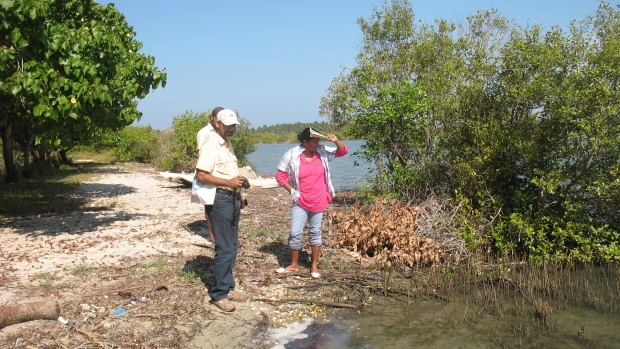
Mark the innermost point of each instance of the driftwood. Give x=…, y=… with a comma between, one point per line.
x=14, y=314
x=123, y=291
x=90, y=336
x=85, y=333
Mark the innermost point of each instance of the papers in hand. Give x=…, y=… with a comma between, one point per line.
x=315, y=133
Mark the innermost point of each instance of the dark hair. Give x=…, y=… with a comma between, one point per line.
x=216, y=110
x=304, y=135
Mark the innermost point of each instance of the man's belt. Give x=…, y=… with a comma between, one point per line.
x=224, y=191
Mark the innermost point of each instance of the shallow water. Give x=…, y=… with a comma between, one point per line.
x=344, y=173
x=482, y=317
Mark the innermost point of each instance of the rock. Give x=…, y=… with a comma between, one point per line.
x=247, y=172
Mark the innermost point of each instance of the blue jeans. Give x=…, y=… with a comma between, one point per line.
x=298, y=221
x=224, y=218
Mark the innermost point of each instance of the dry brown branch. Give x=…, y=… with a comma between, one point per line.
x=91, y=337
x=157, y=316
x=389, y=231
x=112, y=291
x=94, y=328
x=122, y=290
x=85, y=333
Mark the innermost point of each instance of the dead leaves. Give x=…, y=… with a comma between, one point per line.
x=385, y=231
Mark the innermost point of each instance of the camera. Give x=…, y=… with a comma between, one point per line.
x=246, y=183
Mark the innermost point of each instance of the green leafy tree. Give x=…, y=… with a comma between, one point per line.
x=295, y=128
x=132, y=143
x=399, y=98
x=243, y=141
x=517, y=125
x=68, y=68
x=566, y=204
x=179, y=150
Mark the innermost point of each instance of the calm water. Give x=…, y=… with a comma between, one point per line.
x=580, y=311
x=343, y=172
x=429, y=324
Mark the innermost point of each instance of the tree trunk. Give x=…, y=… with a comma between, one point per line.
x=50, y=161
x=14, y=314
x=27, y=172
x=12, y=174
x=63, y=156
x=41, y=160
x=35, y=156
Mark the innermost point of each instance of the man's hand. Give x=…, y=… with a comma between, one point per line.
x=235, y=182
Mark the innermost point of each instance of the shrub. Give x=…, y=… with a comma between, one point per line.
x=178, y=148
x=140, y=144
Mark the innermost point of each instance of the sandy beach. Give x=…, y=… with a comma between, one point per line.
x=136, y=247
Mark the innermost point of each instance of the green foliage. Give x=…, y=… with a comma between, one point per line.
x=273, y=138
x=109, y=140
x=141, y=144
x=287, y=133
x=295, y=128
x=68, y=69
x=132, y=143
x=243, y=141
x=179, y=149
x=517, y=125
x=178, y=146
x=188, y=276
x=392, y=120
x=83, y=270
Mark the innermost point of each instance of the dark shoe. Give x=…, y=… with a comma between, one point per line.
x=225, y=305
x=237, y=296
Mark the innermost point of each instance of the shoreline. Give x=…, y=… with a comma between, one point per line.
x=137, y=238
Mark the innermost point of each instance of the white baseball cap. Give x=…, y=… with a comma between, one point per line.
x=227, y=117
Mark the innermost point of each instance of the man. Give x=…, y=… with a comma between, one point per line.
x=217, y=165
x=201, y=138
x=206, y=132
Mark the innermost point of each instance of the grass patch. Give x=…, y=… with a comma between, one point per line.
x=82, y=270
x=154, y=268
x=45, y=281
x=188, y=276
x=43, y=276
x=256, y=232
x=87, y=153
x=158, y=264
x=50, y=286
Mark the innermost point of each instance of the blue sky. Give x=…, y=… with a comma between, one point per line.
x=272, y=60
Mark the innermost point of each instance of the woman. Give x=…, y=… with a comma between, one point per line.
x=304, y=173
